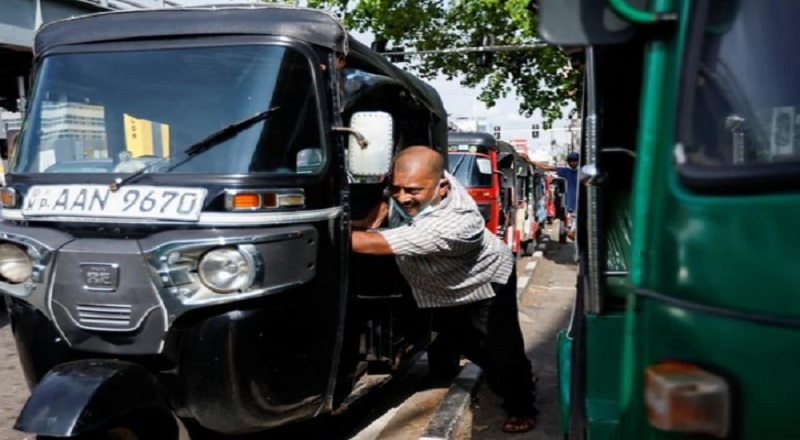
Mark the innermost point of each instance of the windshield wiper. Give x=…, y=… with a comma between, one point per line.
x=199, y=147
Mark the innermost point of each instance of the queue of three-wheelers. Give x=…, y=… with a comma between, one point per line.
x=516, y=199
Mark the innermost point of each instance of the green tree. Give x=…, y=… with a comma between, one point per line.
x=541, y=78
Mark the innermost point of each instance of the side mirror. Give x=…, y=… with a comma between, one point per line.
x=375, y=158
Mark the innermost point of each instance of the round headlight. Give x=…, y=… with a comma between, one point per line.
x=226, y=270
x=15, y=265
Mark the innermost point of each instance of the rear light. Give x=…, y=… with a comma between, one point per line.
x=8, y=197
x=236, y=200
x=681, y=397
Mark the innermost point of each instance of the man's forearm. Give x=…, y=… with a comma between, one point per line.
x=544, y=167
x=371, y=243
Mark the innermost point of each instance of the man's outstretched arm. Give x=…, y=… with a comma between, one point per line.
x=540, y=165
x=371, y=243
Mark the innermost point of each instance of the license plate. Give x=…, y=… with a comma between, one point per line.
x=138, y=202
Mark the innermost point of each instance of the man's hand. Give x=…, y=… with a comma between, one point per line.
x=540, y=165
x=371, y=243
x=375, y=217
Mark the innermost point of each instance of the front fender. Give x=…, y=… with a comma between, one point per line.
x=79, y=396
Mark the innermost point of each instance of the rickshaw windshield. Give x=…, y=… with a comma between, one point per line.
x=470, y=169
x=117, y=112
x=746, y=97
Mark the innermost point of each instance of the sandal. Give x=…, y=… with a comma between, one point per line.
x=518, y=424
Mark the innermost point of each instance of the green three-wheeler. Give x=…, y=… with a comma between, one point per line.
x=687, y=318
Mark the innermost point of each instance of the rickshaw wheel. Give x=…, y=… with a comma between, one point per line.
x=143, y=427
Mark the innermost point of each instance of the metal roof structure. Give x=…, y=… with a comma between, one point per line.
x=472, y=138
x=313, y=26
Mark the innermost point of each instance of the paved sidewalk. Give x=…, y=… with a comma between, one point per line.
x=545, y=306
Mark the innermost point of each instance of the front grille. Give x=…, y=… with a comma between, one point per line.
x=110, y=316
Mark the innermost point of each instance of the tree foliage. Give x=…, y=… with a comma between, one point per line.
x=541, y=78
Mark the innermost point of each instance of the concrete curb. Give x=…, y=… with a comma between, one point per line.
x=530, y=268
x=454, y=409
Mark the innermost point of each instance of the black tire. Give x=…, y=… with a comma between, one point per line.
x=144, y=426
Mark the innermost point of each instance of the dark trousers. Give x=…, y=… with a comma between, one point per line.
x=487, y=333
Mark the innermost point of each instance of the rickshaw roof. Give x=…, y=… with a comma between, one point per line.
x=472, y=138
x=312, y=26
x=505, y=147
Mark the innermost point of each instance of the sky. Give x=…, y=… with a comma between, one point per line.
x=461, y=101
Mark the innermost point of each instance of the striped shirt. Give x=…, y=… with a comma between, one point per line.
x=447, y=255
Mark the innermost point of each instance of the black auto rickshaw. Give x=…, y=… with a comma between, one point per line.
x=199, y=272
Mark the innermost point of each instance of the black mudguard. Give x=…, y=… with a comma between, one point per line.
x=77, y=397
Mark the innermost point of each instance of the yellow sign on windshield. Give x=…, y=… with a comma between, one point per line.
x=146, y=138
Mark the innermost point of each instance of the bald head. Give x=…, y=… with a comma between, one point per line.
x=417, y=179
x=420, y=159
